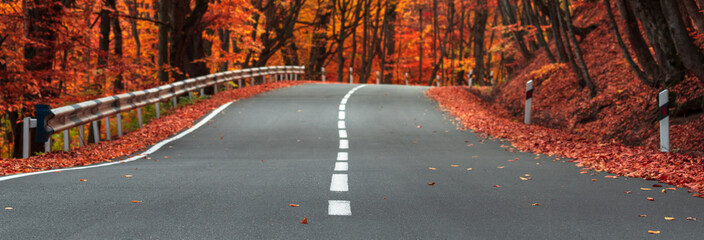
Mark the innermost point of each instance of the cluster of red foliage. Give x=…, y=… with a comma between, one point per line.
x=132, y=142
x=681, y=170
x=624, y=111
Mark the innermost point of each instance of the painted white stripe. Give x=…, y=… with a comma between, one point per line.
x=342, y=107
x=343, y=133
x=344, y=101
x=341, y=115
x=341, y=124
x=339, y=183
x=339, y=208
x=342, y=156
x=151, y=150
x=341, y=166
x=344, y=144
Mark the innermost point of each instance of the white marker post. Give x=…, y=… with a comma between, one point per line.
x=437, y=80
x=469, y=78
x=351, y=80
x=491, y=76
x=377, y=77
x=664, y=121
x=406, y=79
x=529, y=101
x=323, y=74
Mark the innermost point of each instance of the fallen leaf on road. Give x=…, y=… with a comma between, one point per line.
x=432, y=168
x=126, y=175
x=497, y=186
x=627, y=192
x=671, y=188
x=82, y=180
x=645, y=189
x=650, y=199
x=136, y=201
x=669, y=218
x=222, y=136
x=57, y=171
x=470, y=169
x=691, y=218
x=454, y=165
x=525, y=178
x=293, y=205
x=642, y=215
x=653, y=232
x=536, y=204
x=431, y=183
x=167, y=157
x=501, y=167
x=611, y=176
x=657, y=185
x=419, y=126
x=663, y=190
x=305, y=220
x=8, y=208
x=593, y=179
x=527, y=175
x=470, y=145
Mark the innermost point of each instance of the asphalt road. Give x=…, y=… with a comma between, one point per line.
x=235, y=177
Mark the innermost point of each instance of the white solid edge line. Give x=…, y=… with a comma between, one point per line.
x=339, y=183
x=342, y=156
x=151, y=150
x=341, y=166
x=339, y=208
x=343, y=133
x=341, y=124
x=344, y=144
x=341, y=115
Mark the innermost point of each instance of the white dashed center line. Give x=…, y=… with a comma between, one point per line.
x=339, y=180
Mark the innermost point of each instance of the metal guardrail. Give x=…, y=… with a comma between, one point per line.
x=50, y=121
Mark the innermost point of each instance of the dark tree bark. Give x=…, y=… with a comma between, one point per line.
x=481, y=16
x=163, y=45
x=695, y=13
x=640, y=47
x=134, y=12
x=556, y=31
x=278, y=29
x=508, y=17
x=187, y=39
x=690, y=55
x=578, y=52
x=530, y=11
x=626, y=55
x=319, y=41
x=389, y=42
x=118, y=85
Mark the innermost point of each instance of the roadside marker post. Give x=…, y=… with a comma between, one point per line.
x=469, y=78
x=323, y=75
x=406, y=79
x=351, y=80
x=377, y=77
x=529, y=101
x=664, y=117
x=437, y=80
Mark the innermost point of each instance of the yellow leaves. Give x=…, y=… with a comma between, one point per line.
x=305, y=220
x=432, y=168
x=653, y=232
x=611, y=176
x=642, y=215
x=8, y=208
x=501, y=167
x=470, y=169
x=645, y=189
x=535, y=204
x=454, y=165
x=669, y=218
x=525, y=178
x=294, y=205
x=127, y=176
x=136, y=201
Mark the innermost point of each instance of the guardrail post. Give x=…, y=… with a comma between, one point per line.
x=96, y=132
x=215, y=89
x=107, y=129
x=377, y=77
x=119, y=124
x=406, y=79
x=156, y=107
x=351, y=76
x=202, y=93
x=25, y=137
x=469, y=78
x=664, y=121
x=323, y=75
x=295, y=76
x=67, y=143
x=239, y=83
x=529, y=101
x=47, y=145
x=81, y=136
x=139, y=116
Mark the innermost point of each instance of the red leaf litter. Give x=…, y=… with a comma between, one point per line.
x=151, y=133
x=681, y=170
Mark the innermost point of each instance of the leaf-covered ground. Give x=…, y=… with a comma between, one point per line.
x=153, y=132
x=682, y=170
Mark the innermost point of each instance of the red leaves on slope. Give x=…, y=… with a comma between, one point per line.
x=681, y=170
x=151, y=133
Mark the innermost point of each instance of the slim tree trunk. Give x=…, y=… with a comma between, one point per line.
x=578, y=52
x=555, y=21
x=118, y=85
x=480, y=25
x=626, y=55
x=638, y=44
x=690, y=55
x=163, y=45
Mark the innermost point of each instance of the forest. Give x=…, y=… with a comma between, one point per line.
x=599, y=63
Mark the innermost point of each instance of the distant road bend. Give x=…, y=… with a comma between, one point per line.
x=359, y=162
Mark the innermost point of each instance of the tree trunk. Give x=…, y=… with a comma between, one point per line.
x=578, y=52
x=134, y=12
x=389, y=40
x=118, y=85
x=626, y=55
x=690, y=55
x=163, y=45
x=695, y=13
x=318, y=51
x=481, y=16
x=538, y=29
x=638, y=44
x=555, y=21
